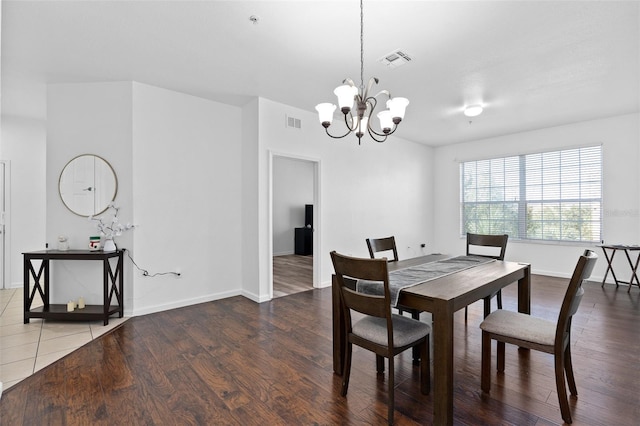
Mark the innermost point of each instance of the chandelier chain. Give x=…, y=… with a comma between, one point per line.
x=361, y=47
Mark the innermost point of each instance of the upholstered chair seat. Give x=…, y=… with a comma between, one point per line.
x=521, y=326
x=405, y=330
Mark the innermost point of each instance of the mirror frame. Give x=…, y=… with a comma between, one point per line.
x=115, y=179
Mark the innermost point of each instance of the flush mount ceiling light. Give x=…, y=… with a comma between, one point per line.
x=473, y=110
x=365, y=104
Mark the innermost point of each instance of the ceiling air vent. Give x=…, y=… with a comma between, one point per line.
x=395, y=59
x=293, y=122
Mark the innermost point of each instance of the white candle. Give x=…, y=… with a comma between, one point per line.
x=70, y=306
x=81, y=303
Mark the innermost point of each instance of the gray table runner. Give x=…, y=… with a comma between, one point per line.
x=414, y=275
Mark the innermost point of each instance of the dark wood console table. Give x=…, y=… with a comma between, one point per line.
x=112, y=286
x=634, y=266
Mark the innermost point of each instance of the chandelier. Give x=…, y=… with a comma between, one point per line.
x=358, y=121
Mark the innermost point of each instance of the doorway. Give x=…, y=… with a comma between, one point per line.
x=294, y=223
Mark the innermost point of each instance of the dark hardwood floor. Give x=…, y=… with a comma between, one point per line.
x=292, y=274
x=237, y=362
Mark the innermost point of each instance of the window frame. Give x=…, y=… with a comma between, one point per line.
x=494, y=191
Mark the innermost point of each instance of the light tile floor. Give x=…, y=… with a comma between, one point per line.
x=27, y=348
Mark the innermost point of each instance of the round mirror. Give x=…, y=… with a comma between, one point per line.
x=87, y=185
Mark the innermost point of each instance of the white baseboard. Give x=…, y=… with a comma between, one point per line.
x=256, y=298
x=185, y=302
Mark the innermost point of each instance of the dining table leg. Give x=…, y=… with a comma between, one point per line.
x=524, y=292
x=443, y=362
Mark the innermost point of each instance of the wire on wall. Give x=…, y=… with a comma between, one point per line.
x=146, y=273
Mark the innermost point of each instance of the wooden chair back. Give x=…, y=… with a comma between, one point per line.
x=376, y=245
x=354, y=268
x=482, y=240
x=572, y=298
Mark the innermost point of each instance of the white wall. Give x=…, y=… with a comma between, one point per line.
x=620, y=138
x=185, y=194
x=365, y=191
x=93, y=118
x=251, y=267
x=292, y=189
x=24, y=147
x=187, y=198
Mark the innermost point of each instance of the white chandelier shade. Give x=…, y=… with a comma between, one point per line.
x=346, y=95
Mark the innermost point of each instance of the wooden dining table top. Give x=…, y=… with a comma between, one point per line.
x=462, y=287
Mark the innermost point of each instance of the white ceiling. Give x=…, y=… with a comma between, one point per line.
x=533, y=64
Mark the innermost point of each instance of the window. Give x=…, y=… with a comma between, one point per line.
x=547, y=196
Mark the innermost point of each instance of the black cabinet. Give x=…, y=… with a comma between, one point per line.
x=304, y=241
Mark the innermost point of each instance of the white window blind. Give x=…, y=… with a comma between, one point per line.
x=550, y=196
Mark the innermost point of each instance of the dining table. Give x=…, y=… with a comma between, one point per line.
x=442, y=297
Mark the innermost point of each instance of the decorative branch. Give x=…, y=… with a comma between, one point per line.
x=111, y=227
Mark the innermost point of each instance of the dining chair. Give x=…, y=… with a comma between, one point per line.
x=377, y=245
x=539, y=334
x=474, y=244
x=379, y=331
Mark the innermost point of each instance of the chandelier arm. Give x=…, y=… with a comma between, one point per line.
x=372, y=81
x=351, y=126
x=382, y=92
x=373, y=103
x=383, y=134
x=350, y=129
x=326, y=129
x=349, y=82
x=372, y=133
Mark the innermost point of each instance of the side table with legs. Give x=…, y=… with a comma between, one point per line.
x=613, y=248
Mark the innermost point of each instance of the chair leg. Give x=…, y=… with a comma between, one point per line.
x=466, y=311
x=499, y=298
x=391, y=406
x=500, y=356
x=347, y=369
x=568, y=368
x=485, y=375
x=425, y=367
x=415, y=353
x=558, y=360
x=379, y=363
